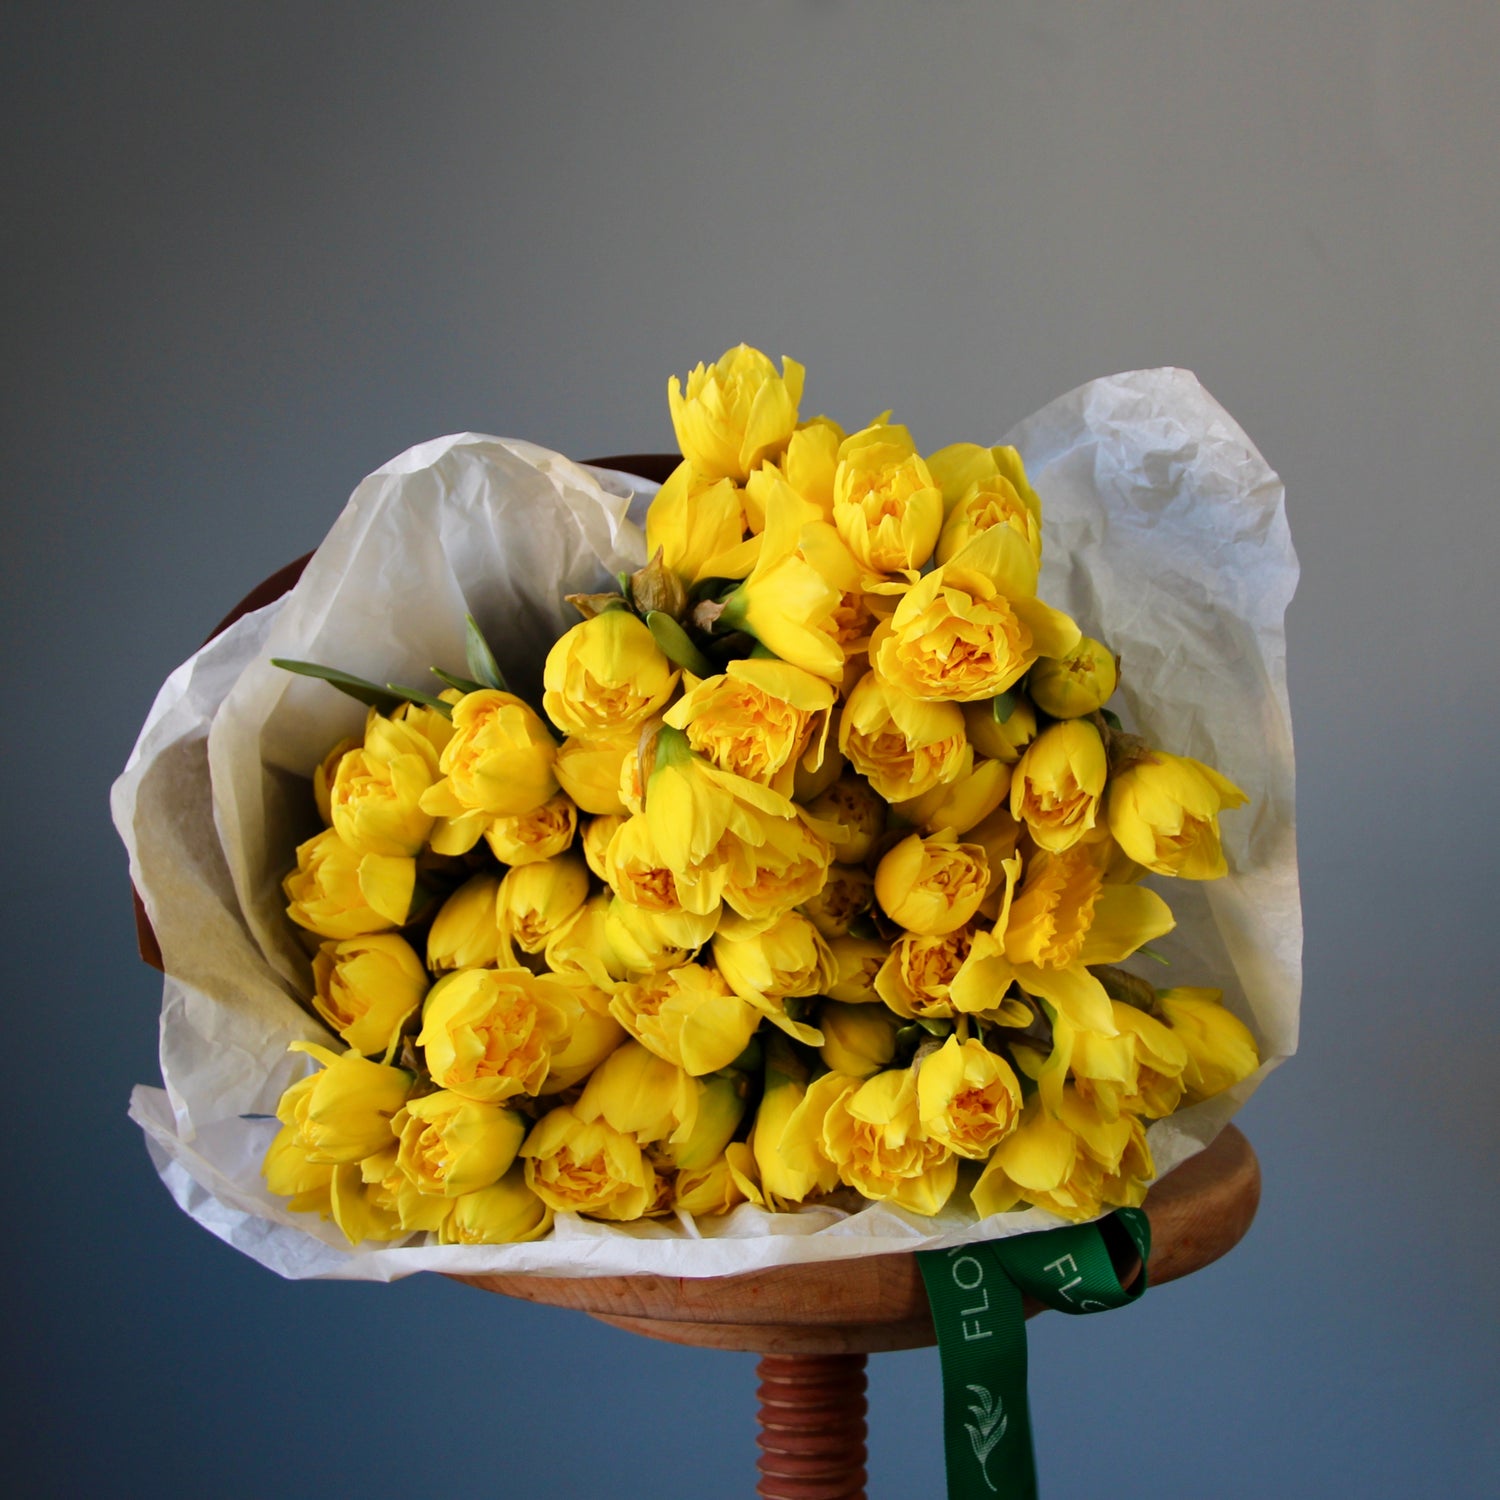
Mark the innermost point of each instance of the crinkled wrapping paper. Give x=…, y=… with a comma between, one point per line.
x=1165, y=535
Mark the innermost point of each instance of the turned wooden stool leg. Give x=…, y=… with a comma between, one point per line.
x=812, y=1427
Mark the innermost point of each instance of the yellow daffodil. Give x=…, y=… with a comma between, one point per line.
x=466, y=933
x=757, y=719
x=588, y=1167
x=904, y=747
x=859, y=961
x=338, y=893
x=915, y=979
x=450, y=1145
x=489, y=1034
x=1164, y=813
x=735, y=413
x=847, y=894
x=1057, y=786
x=983, y=488
x=967, y=1098
x=344, y=1111
x=685, y=907
x=323, y=774
x=1002, y=742
x=873, y=1133
x=859, y=812
x=1063, y=918
x=497, y=764
x=375, y=801
x=786, y=1141
x=719, y=1186
x=932, y=885
x=367, y=988
x=643, y=1096
x=858, y=1040
x=961, y=804
x=971, y=628
x=692, y=521
x=688, y=1016
x=886, y=506
x=534, y=900
x=605, y=677
x=540, y=834
x=721, y=1107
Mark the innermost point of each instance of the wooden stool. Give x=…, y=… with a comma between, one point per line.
x=814, y=1324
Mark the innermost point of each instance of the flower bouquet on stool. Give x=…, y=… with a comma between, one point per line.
x=833, y=853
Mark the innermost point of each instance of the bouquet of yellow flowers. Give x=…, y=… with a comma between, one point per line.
x=800, y=895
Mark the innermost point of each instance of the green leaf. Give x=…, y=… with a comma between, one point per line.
x=358, y=688
x=676, y=646
x=483, y=667
x=1111, y=718
x=1003, y=705
x=414, y=695
x=463, y=684
x=1152, y=953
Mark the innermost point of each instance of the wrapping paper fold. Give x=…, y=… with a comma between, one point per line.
x=1165, y=535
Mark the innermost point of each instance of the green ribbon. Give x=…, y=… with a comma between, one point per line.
x=976, y=1294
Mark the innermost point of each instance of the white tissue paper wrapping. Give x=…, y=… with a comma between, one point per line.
x=1165, y=535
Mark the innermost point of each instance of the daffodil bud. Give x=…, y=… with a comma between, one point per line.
x=1221, y=1051
x=504, y=1213
x=858, y=1040
x=466, y=934
x=1078, y=683
x=721, y=1107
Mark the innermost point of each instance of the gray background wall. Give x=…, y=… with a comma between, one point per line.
x=252, y=251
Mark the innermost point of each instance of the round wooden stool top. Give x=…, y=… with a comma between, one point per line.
x=877, y=1303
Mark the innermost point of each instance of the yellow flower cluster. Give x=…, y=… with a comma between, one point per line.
x=811, y=876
